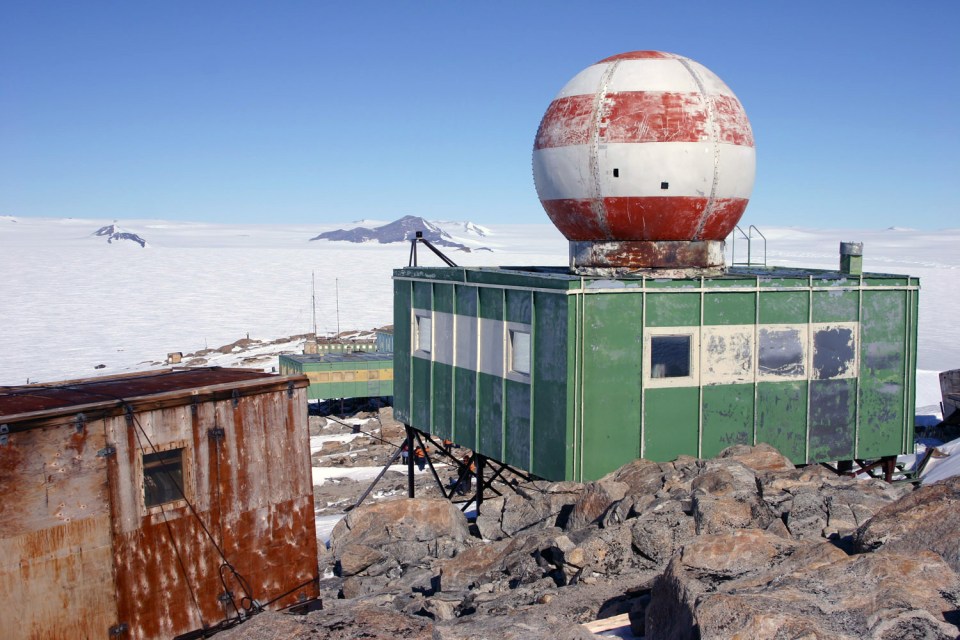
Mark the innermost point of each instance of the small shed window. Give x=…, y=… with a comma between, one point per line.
x=162, y=477
x=520, y=352
x=669, y=356
x=781, y=352
x=424, y=334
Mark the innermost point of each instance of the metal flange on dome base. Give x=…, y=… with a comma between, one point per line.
x=659, y=258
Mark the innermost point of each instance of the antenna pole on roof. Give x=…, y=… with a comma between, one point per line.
x=313, y=286
x=337, y=293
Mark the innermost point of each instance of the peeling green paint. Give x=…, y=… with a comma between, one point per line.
x=586, y=408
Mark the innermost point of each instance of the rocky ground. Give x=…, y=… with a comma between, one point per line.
x=741, y=546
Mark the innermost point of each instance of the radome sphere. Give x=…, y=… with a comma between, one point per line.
x=644, y=147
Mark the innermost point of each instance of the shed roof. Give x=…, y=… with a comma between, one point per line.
x=37, y=401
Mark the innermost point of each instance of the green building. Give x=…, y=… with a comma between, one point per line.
x=570, y=376
x=342, y=375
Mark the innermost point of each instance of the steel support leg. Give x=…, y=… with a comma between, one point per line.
x=410, y=483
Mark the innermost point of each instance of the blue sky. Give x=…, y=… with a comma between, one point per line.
x=301, y=112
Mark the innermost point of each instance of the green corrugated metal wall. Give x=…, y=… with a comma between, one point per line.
x=589, y=405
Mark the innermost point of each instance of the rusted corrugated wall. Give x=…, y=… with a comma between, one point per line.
x=56, y=571
x=252, y=492
x=81, y=554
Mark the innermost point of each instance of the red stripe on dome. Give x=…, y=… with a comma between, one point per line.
x=643, y=116
x=723, y=218
x=640, y=116
x=732, y=122
x=645, y=218
x=567, y=122
x=575, y=218
x=639, y=55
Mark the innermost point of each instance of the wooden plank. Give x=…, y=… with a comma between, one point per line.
x=606, y=624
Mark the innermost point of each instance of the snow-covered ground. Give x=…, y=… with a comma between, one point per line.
x=71, y=301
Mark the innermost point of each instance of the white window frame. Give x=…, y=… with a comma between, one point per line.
x=514, y=328
x=420, y=315
x=691, y=380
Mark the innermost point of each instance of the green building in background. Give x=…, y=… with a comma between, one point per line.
x=570, y=376
x=351, y=374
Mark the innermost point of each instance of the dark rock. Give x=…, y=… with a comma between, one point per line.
x=762, y=586
x=534, y=505
x=355, y=558
x=594, y=502
x=382, y=544
x=928, y=518
x=760, y=457
x=659, y=532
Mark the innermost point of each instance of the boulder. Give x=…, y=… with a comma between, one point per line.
x=594, y=502
x=400, y=533
x=754, y=584
x=718, y=558
x=533, y=505
x=928, y=518
x=760, y=457
x=643, y=477
x=477, y=564
x=660, y=531
x=340, y=622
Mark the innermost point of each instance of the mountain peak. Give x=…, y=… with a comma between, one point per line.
x=399, y=230
x=114, y=232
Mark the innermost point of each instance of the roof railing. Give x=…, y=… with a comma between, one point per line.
x=752, y=234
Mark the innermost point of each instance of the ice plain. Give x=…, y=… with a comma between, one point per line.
x=71, y=301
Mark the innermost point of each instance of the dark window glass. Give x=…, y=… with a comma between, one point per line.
x=162, y=477
x=833, y=353
x=669, y=356
x=781, y=352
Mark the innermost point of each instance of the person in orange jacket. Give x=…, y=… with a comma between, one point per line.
x=466, y=479
x=420, y=457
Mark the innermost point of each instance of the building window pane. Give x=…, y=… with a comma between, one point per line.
x=424, y=333
x=669, y=356
x=833, y=353
x=520, y=352
x=162, y=477
x=781, y=352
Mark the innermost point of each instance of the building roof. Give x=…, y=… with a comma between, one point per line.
x=349, y=356
x=562, y=279
x=37, y=401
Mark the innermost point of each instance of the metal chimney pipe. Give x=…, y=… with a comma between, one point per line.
x=851, y=258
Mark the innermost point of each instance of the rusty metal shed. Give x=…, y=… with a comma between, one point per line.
x=154, y=504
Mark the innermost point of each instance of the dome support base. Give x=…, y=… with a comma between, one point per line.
x=682, y=256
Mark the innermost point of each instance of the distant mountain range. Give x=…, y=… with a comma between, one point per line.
x=113, y=232
x=403, y=230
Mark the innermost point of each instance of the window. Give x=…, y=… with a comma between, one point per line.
x=669, y=356
x=520, y=352
x=834, y=352
x=162, y=477
x=781, y=353
x=424, y=334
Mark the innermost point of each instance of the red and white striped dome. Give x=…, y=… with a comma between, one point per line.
x=644, y=146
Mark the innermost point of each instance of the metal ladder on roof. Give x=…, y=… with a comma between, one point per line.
x=752, y=234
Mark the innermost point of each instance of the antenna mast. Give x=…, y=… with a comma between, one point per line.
x=313, y=286
x=337, y=290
